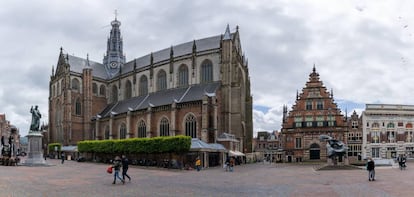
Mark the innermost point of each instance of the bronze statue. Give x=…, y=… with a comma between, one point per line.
x=34, y=126
x=334, y=147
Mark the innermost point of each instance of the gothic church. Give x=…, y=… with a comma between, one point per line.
x=199, y=88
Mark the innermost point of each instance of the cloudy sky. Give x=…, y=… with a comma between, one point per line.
x=363, y=50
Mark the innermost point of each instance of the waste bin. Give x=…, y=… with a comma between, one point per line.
x=69, y=157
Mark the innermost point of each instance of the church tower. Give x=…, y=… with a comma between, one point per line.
x=114, y=58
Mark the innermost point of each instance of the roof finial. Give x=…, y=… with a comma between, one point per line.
x=87, y=60
x=227, y=33
x=314, y=69
x=116, y=13
x=194, y=46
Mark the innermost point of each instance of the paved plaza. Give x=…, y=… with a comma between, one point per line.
x=90, y=179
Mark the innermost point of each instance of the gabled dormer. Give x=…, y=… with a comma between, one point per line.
x=62, y=63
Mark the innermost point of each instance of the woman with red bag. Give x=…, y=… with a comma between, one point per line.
x=117, y=166
x=109, y=170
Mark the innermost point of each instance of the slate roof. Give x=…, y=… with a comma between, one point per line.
x=160, y=98
x=77, y=64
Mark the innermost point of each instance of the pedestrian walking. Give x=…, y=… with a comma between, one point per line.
x=125, y=163
x=232, y=162
x=62, y=156
x=401, y=161
x=198, y=164
x=227, y=163
x=371, y=169
x=117, y=166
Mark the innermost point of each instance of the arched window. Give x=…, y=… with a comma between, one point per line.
x=94, y=88
x=58, y=88
x=102, y=90
x=183, y=75
x=128, y=90
x=161, y=80
x=143, y=85
x=390, y=125
x=164, y=127
x=114, y=93
x=53, y=91
x=106, y=132
x=142, y=129
x=62, y=87
x=58, y=135
x=78, y=107
x=206, y=71
x=122, y=131
x=191, y=126
x=75, y=84
x=409, y=126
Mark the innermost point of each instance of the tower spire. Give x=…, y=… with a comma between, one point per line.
x=114, y=57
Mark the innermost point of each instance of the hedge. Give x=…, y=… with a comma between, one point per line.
x=52, y=146
x=175, y=144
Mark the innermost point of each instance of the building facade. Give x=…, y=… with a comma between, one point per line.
x=10, y=137
x=268, y=146
x=199, y=88
x=388, y=131
x=355, y=138
x=314, y=113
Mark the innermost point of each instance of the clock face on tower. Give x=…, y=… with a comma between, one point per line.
x=113, y=64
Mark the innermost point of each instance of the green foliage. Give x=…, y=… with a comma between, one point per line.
x=175, y=144
x=52, y=146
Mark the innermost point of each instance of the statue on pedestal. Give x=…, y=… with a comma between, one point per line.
x=35, y=152
x=34, y=126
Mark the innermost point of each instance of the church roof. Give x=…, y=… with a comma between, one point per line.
x=204, y=44
x=160, y=98
x=77, y=64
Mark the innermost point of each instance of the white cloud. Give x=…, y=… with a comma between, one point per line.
x=362, y=49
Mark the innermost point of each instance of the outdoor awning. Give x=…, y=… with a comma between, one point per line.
x=69, y=148
x=199, y=145
x=235, y=153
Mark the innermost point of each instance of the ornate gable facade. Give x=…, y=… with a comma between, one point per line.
x=314, y=113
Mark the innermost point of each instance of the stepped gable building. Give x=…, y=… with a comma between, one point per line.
x=354, y=139
x=199, y=88
x=314, y=113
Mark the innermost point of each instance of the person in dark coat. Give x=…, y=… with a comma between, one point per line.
x=125, y=163
x=62, y=156
x=371, y=169
x=117, y=166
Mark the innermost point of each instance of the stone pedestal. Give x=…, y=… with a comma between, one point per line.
x=35, y=151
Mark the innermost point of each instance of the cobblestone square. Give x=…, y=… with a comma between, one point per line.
x=91, y=179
